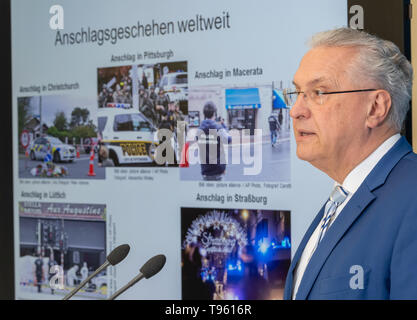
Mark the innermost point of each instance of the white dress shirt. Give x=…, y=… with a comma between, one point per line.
x=351, y=183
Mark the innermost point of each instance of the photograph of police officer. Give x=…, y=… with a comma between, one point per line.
x=256, y=118
x=76, y=247
x=154, y=85
x=157, y=92
x=212, y=131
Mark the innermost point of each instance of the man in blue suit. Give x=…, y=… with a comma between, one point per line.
x=351, y=96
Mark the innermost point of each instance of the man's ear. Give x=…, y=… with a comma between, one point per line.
x=379, y=108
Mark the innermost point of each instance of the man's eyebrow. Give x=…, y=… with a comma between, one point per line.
x=317, y=81
x=295, y=85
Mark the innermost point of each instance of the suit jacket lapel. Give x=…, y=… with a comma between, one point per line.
x=360, y=200
x=348, y=215
x=298, y=253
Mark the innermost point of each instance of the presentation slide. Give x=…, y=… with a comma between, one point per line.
x=161, y=125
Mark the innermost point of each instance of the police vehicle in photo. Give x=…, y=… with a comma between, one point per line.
x=175, y=85
x=51, y=147
x=127, y=134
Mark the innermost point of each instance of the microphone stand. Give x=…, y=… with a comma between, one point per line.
x=127, y=286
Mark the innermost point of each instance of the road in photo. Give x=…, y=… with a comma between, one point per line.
x=79, y=168
x=276, y=164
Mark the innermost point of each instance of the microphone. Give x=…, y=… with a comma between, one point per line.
x=114, y=257
x=149, y=269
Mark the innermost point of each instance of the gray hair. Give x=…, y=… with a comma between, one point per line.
x=380, y=61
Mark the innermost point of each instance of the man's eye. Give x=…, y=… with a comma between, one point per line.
x=317, y=93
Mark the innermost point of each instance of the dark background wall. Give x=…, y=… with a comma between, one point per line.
x=6, y=195
x=389, y=19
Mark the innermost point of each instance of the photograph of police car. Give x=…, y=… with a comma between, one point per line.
x=128, y=136
x=58, y=151
x=59, y=132
x=136, y=103
x=175, y=85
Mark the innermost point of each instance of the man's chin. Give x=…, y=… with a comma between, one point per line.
x=304, y=154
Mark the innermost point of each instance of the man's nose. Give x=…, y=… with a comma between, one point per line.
x=300, y=108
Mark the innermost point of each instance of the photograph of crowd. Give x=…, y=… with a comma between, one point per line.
x=134, y=103
x=234, y=254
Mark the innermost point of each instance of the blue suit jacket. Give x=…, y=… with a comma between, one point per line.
x=373, y=239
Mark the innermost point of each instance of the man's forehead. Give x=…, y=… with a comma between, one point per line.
x=323, y=66
x=319, y=80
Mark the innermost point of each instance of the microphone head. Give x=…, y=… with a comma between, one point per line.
x=153, y=266
x=118, y=254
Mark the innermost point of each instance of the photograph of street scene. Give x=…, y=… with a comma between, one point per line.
x=71, y=237
x=237, y=134
x=234, y=254
x=58, y=137
x=134, y=103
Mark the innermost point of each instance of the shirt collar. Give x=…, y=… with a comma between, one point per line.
x=355, y=178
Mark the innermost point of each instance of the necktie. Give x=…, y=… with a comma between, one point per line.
x=337, y=196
